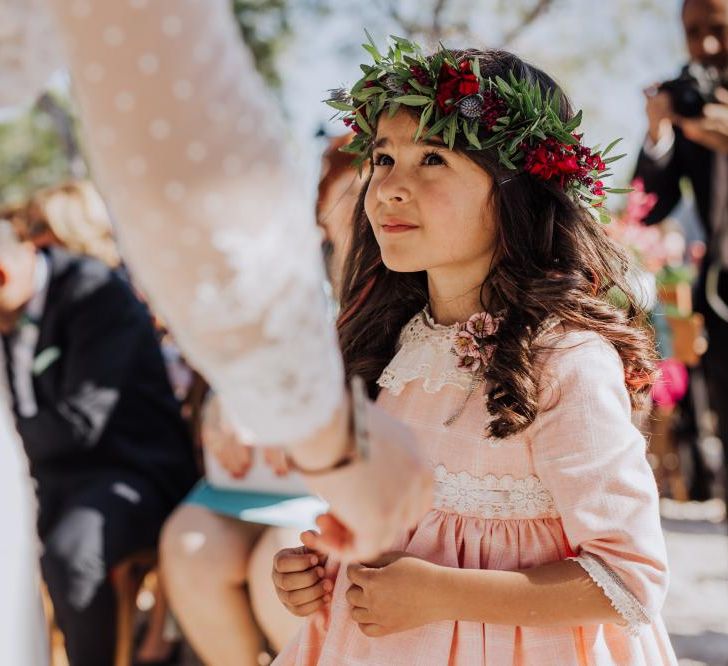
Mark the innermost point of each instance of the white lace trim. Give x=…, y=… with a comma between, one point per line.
x=623, y=601
x=492, y=496
x=424, y=352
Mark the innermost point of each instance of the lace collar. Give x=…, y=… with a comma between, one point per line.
x=425, y=351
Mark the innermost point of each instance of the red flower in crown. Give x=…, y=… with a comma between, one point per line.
x=351, y=123
x=493, y=108
x=551, y=160
x=454, y=84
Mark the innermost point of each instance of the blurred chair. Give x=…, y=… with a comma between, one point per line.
x=127, y=579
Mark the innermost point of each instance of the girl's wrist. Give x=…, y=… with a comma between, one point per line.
x=442, y=582
x=455, y=590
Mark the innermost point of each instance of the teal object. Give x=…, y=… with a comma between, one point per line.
x=265, y=508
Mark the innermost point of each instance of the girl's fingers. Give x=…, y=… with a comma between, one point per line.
x=307, y=595
x=359, y=574
x=292, y=560
x=298, y=581
x=355, y=596
x=312, y=607
x=361, y=615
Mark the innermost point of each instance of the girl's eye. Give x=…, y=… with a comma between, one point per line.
x=433, y=159
x=382, y=159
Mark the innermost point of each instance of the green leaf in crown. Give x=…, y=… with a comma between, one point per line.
x=514, y=118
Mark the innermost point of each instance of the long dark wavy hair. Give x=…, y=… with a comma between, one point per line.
x=552, y=259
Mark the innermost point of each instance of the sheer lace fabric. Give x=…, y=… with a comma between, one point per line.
x=424, y=353
x=29, y=50
x=191, y=154
x=622, y=600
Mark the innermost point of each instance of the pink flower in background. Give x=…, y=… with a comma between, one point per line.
x=646, y=243
x=672, y=383
x=639, y=203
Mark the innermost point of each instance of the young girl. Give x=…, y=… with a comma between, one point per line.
x=477, y=305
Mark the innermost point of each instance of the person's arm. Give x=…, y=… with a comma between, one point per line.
x=103, y=327
x=593, y=460
x=400, y=592
x=659, y=165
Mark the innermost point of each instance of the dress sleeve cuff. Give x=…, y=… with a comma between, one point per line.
x=624, y=602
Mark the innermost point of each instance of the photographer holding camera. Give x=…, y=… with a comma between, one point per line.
x=688, y=137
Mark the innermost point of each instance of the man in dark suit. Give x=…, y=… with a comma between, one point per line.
x=697, y=148
x=108, y=450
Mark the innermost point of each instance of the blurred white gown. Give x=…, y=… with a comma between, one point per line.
x=28, y=56
x=23, y=639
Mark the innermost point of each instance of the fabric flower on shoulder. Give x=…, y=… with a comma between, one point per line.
x=470, y=342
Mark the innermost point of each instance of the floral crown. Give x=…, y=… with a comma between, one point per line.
x=514, y=118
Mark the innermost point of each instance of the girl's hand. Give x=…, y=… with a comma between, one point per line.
x=298, y=576
x=395, y=593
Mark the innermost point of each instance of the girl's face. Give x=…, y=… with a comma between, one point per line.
x=429, y=206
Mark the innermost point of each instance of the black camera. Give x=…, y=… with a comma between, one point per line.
x=693, y=89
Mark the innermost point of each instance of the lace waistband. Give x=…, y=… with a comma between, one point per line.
x=492, y=496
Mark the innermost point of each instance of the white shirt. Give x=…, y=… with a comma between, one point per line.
x=25, y=339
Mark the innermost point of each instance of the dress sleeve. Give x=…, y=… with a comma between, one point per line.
x=592, y=459
x=214, y=217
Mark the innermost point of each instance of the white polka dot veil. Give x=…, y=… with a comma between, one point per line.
x=213, y=216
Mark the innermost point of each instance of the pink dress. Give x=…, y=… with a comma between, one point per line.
x=576, y=483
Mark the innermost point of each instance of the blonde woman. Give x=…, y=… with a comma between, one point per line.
x=72, y=215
